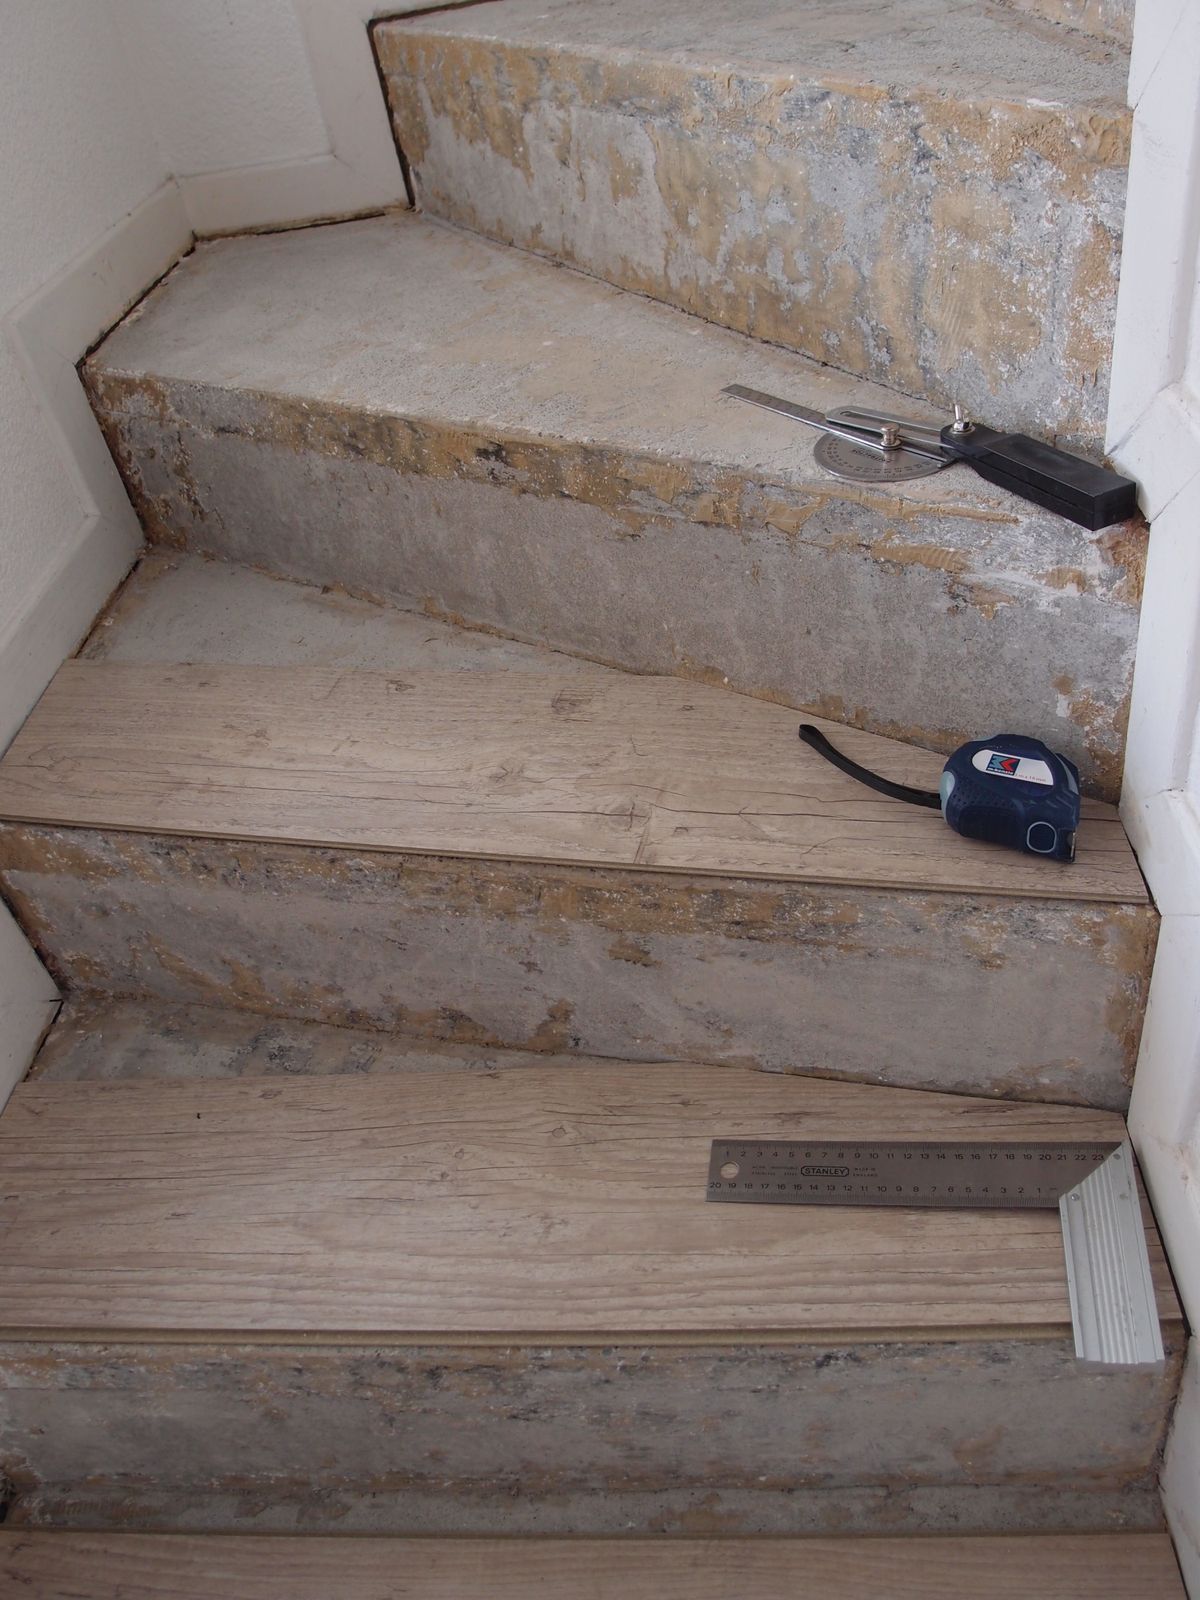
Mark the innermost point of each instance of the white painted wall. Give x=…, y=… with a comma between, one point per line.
x=1154, y=433
x=226, y=83
x=266, y=111
x=78, y=158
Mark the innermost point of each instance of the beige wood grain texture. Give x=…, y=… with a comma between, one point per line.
x=130, y=1566
x=650, y=772
x=545, y=1202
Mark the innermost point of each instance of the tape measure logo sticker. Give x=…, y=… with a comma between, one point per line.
x=1006, y=764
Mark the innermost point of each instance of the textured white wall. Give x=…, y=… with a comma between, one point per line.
x=77, y=155
x=227, y=83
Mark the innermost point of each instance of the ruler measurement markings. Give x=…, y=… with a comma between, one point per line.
x=990, y=1174
x=1091, y=1184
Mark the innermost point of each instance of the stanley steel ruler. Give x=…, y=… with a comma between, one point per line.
x=1092, y=1184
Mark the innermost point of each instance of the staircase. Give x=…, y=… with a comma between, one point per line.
x=423, y=845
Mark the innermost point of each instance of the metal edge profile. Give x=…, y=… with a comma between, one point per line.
x=1113, y=1308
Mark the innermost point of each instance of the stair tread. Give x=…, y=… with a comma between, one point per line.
x=977, y=51
x=606, y=769
x=403, y=316
x=1098, y=1566
x=555, y=1198
x=189, y=609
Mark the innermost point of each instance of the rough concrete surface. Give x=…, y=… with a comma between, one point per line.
x=406, y=412
x=903, y=1436
x=190, y=610
x=97, y=1038
x=923, y=193
x=1110, y=20
x=909, y=988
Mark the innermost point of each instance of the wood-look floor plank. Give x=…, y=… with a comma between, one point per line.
x=105, y=1566
x=531, y=1201
x=613, y=769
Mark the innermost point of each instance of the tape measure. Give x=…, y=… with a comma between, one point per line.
x=1009, y=790
x=1092, y=1183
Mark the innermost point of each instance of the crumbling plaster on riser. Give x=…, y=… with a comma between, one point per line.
x=339, y=1437
x=953, y=250
x=879, y=986
x=927, y=622
x=1106, y=19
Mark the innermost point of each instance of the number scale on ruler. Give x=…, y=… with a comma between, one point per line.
x=883, y=1172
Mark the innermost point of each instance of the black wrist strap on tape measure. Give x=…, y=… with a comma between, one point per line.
x=896, y=791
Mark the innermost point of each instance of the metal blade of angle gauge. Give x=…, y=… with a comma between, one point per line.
x=991, y=1175
x=1114, y=1309
x=1093, y=1186
x=833, y=425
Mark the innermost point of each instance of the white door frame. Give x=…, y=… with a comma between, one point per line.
x=1154, y=435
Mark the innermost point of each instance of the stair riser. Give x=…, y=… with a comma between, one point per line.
x=673, y=566
x=1111, y=20
x=1036, y=1000
x=624, y=1438
x=954, y=250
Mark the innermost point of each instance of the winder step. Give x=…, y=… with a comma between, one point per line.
x=925, y=192
x=408, y=412
x=132, y=1566
x=545, y=855
x=379, y=1289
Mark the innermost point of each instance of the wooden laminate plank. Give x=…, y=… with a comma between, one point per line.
x=540, y=1201
x=105, y=1566
x=649, y=772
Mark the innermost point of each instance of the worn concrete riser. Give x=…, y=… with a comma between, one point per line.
x=1038, y=1000
x=623, y=1438
x=1111, y=20
x=953, y=250
x=931, y=622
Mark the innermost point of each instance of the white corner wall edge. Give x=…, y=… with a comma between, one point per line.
x=1154, y=435
x=49, y=332
x=28, y=1002
x=360, y=173
x=1181, y=1474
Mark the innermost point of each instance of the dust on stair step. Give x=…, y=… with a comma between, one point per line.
x=349, y=1295
x=927, y=195
x=622, y=866
x=398, y=409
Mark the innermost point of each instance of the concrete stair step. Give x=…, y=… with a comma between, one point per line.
x=132, y=1566
x=308, y=1290
x=1109, y=20
x=408, y=412
x=558, y=858
x=929, y=193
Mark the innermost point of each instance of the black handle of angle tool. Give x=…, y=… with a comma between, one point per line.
x=1089, y=495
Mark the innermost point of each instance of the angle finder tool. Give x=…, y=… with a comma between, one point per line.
x=1008, y=790
x=867, y=446
x=1092, y=1183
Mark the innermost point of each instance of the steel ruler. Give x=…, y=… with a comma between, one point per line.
x=1091, y=1183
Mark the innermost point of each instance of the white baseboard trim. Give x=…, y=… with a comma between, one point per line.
x=49, y=333
x=360, y=173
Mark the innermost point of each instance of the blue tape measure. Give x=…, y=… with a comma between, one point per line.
x=1009, y=790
